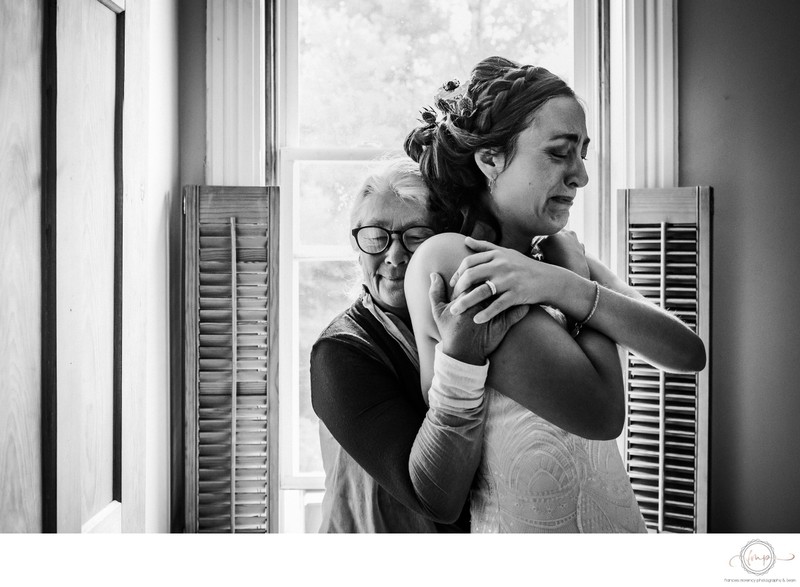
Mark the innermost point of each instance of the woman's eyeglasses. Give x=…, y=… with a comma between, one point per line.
x=374, y=240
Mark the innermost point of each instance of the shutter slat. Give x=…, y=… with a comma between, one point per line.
x=224, y=242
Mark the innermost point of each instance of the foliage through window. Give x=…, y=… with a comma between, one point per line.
x=366, y=66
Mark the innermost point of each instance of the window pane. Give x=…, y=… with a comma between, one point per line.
x=327, y=190
x=366, y=67
x=301, y=511
x=326, y=289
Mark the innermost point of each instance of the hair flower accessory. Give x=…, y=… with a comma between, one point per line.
x=452, y=98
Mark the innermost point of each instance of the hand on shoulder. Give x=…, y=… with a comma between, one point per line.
x=462, y=337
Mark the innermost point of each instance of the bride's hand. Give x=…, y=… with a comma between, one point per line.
x=517, y=279
x=463, y=338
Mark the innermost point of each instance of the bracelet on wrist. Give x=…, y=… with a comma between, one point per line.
x=576, y=329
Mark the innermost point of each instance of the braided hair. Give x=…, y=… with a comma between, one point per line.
x=497, y=104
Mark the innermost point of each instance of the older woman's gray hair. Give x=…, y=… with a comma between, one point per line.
x=400, y=176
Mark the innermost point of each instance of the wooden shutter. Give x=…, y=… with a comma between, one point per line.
x=666, y=255
x=231, y=263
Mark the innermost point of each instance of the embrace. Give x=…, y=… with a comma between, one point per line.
x=475, y=385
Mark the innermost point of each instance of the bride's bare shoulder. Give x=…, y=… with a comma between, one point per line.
x=441, y=254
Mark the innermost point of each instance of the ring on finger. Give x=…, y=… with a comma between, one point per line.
x=492, y=287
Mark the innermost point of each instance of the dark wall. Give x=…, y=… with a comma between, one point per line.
x=739, y=84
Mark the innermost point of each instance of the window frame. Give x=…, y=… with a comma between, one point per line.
x=639, y=118
x=584, y=24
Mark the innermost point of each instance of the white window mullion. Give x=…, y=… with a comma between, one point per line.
x=288, y=328
x=586, y=84
x=288, y=43
x=644, y=98
x=215, y=124
x=235, y=71
x=667, y=76
x=645, y=93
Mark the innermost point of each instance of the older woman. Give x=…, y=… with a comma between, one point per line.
x=393, y=463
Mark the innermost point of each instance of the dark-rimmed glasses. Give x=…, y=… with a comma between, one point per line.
x=374, y=240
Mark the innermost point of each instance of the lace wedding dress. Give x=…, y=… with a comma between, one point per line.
x=536, y=477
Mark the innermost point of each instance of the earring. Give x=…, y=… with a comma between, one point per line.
x=491, y=186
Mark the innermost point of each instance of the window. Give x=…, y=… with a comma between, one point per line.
x=353, y=78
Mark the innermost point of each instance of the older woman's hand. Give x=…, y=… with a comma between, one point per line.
x=462, y=338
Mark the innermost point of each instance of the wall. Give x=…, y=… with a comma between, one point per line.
x=739, y=132
x=163, y=194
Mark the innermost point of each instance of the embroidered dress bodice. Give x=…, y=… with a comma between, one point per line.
x=536, y=477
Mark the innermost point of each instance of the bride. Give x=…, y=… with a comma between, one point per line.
x=503, y=159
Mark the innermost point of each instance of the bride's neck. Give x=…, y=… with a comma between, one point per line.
x=518, y=242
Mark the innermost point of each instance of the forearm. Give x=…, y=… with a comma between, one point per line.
x=363, y=405
x=575, y=384
x=608, y=397
x=447, y=450
x=635, y=324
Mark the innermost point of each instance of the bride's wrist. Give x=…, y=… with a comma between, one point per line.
x=574, y=296
x=584, y=293
x=564, y=286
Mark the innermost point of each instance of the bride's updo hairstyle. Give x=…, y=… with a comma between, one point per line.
x=498, y=102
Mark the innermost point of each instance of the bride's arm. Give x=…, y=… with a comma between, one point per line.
x=639, y=325
x=574, y=383
x=621, y=312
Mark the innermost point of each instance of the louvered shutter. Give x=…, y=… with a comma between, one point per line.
x=231, y=358
x=666, y=255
